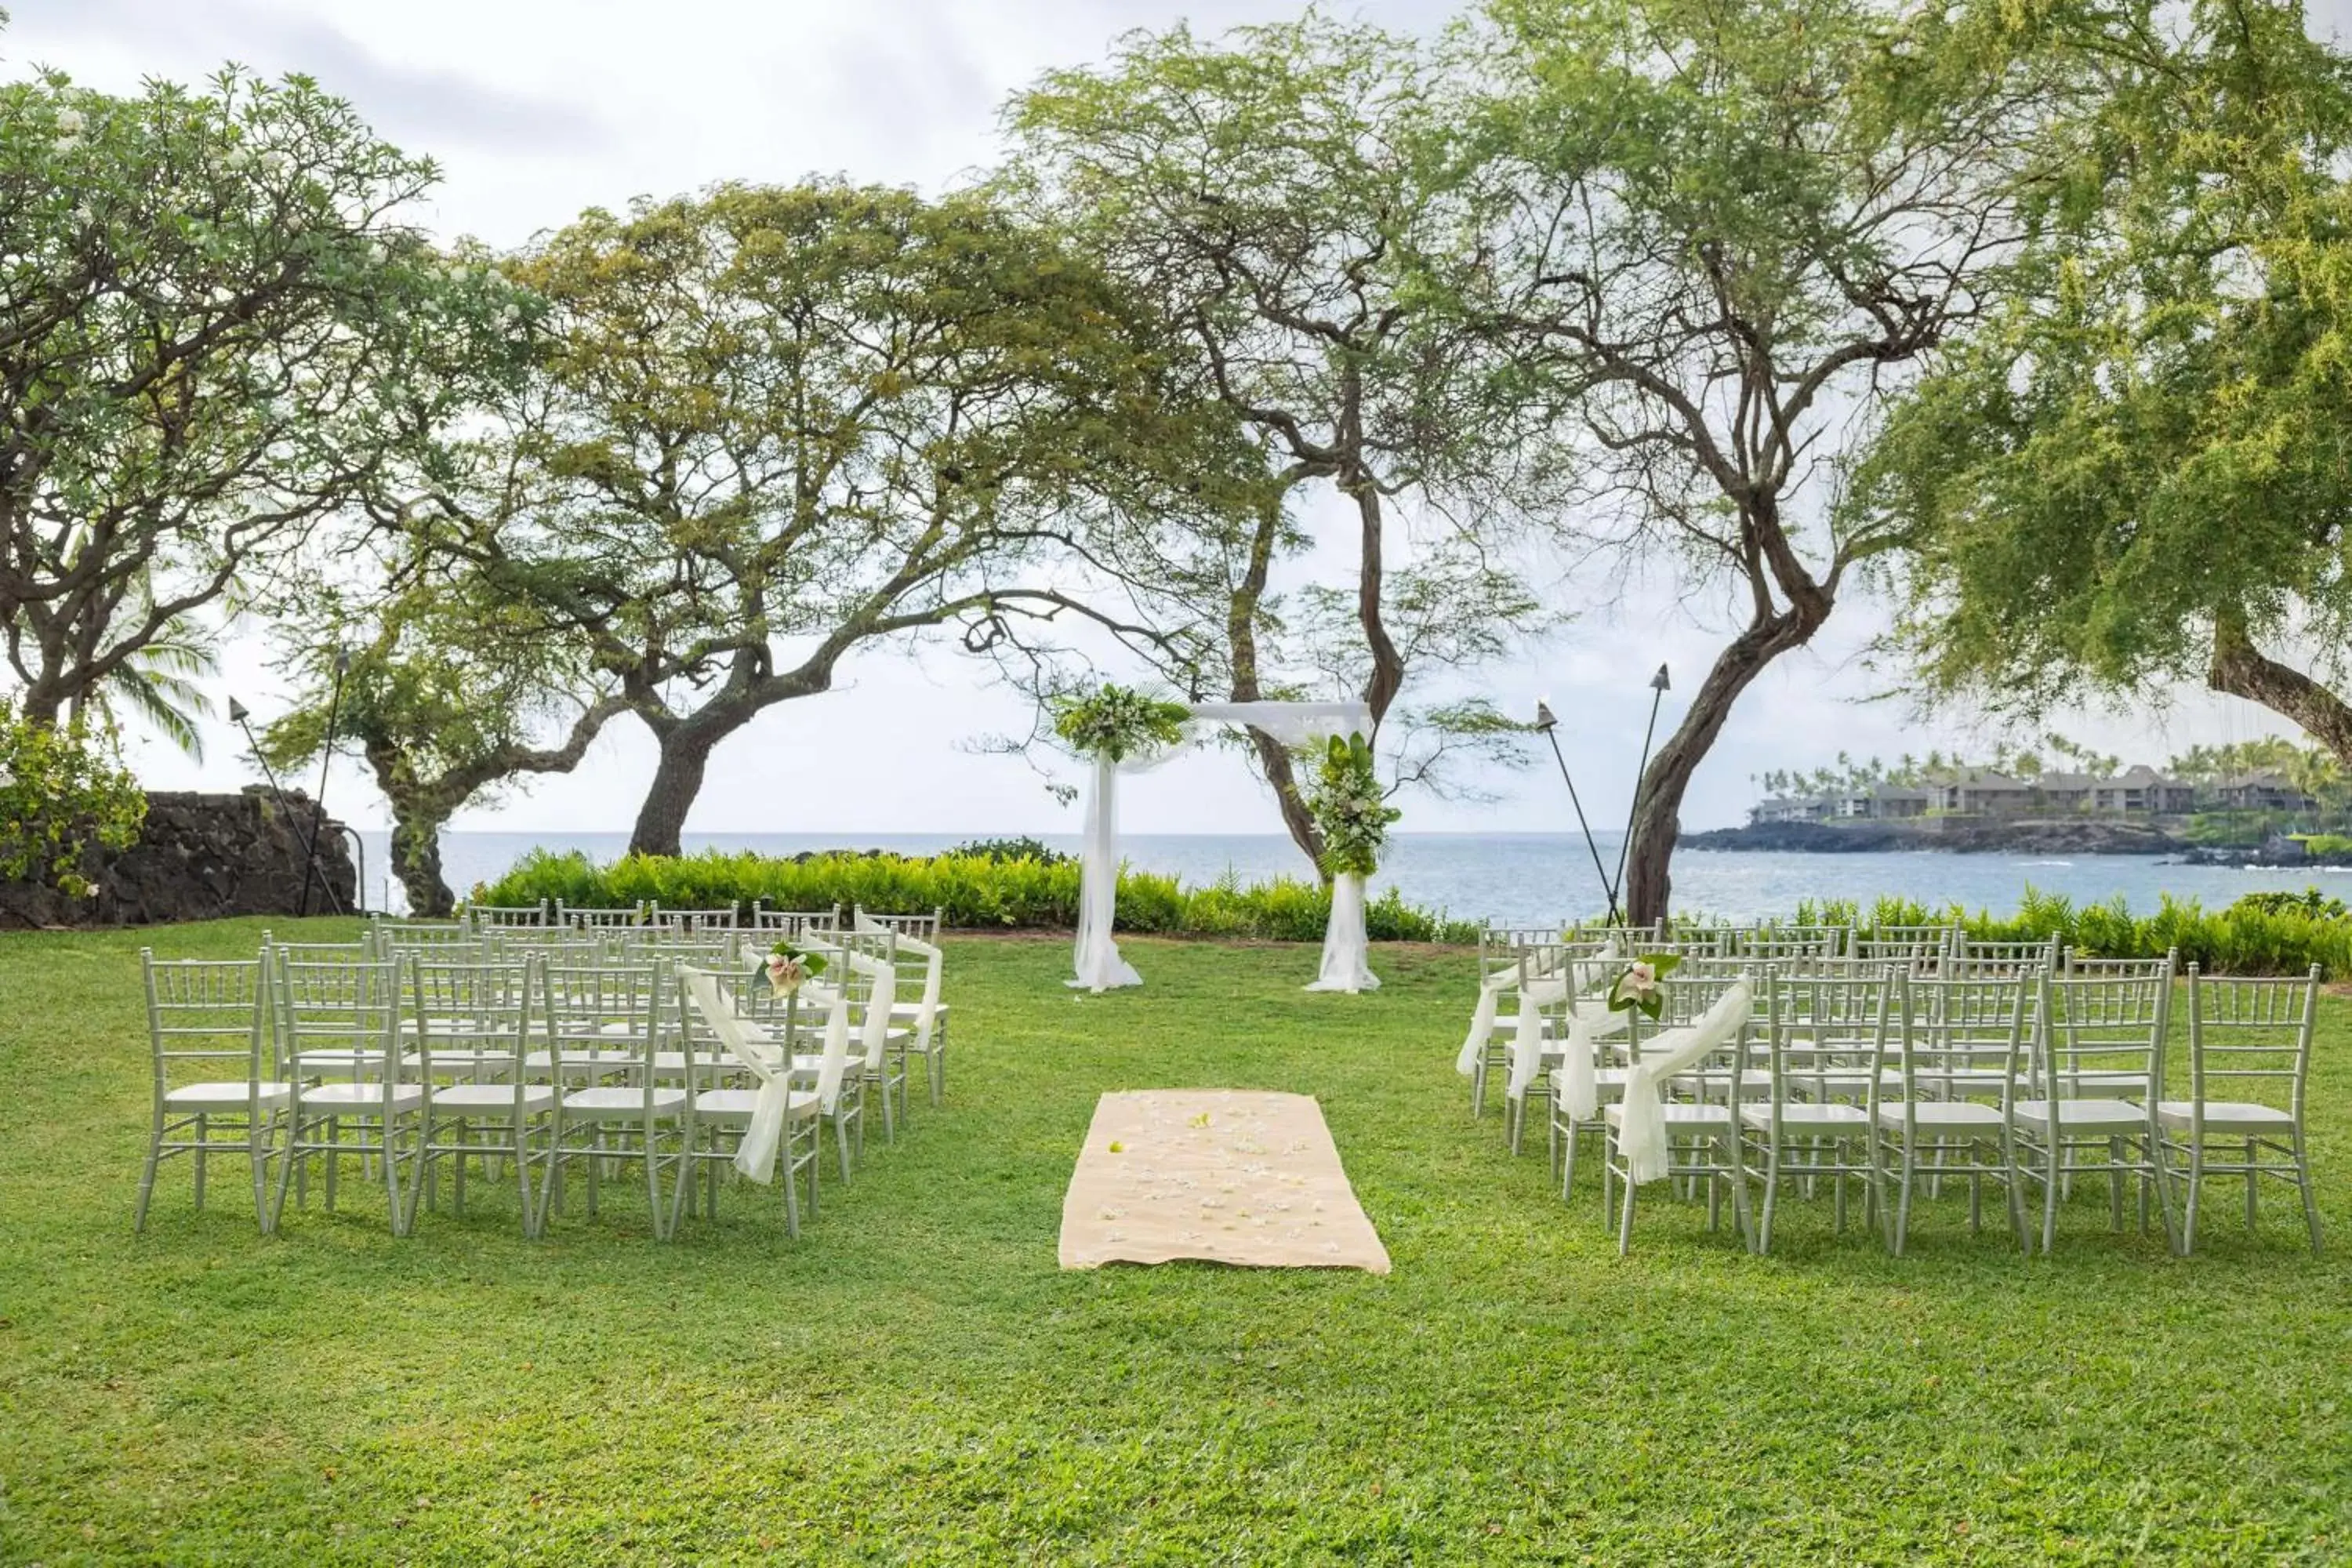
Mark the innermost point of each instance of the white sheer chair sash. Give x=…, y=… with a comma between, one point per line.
x=748, y=1043
x=1641, y=1127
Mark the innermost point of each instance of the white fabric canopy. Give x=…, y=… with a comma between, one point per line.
x=1098, y=962
x=1347, y=950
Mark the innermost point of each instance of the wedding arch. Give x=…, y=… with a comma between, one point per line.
x=1346, y=951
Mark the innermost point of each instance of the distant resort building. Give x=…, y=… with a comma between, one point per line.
x=2140, y=791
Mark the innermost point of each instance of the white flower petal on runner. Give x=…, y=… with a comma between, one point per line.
x=1641, y=1127
x=1098, y=964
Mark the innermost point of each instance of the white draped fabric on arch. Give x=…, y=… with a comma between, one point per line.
x=1346, y=951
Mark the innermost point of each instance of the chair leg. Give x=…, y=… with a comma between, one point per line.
x=286, y=1169
x=1625, y=1217
x=1736, y=1163
x=2302, y=1185
x=392, y=1174
x=2163, y=1191
x=257, y=1154
x=2253, y=1178
x=792, y=1184
x=2195, y=1184
x=1771, y=1197
x=147, y=1180
x=1903, y=1199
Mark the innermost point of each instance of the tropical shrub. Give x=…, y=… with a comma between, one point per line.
x=62, y=795
x=2261, y=933
x=973, y=890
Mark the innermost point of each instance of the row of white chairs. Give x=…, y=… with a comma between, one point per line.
x=708, y=944
x=555, y=914
x=1995, y=1069
x=1506, y=955
x=416, y=1057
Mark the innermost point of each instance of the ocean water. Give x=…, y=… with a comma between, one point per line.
x=1519, y=878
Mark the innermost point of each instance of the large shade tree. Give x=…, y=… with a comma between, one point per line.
x=777, y=425
x=1732, y=228
x=1281, y=195
x=451, y=689
x=216, y=329
x=2141, y=471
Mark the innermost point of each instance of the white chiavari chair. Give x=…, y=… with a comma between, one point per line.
x=792, y=922
x=722, y=1045
x=922, y=1022
x=496, y=917
x=1555, y=982
x=386, y=935
x=1962, y=1045
x=596, y=1020
x=1920, y=950
x=695, y=920
x=1807, y=1124
x=471, y=1024
x=599, y=919
x=610, y=1105
x=2099, y=1074
x=217, y=1089
x=923, y=928
x=2001, y=959
x=1780, y=943
x=877, y=1053
x=2249, y=1049
x=339, y=1034
x=1701, y=1102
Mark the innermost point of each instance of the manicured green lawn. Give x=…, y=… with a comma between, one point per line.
x=915, y=1379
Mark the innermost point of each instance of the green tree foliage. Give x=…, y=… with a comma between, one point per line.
x=775, y=425
x=457, y=691
x=63, y=795
x=1730, y=230
x=216, y=330
x=2141, y=469
x=1283, y=197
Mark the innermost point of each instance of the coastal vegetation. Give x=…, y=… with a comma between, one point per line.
x=986, y=888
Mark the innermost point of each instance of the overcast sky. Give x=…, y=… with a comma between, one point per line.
x=536, y=109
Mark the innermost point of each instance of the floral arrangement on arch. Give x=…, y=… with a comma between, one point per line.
x=1117, y=721
x=1350, y=807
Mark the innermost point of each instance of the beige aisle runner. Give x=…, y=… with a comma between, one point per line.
x=1228, y=1175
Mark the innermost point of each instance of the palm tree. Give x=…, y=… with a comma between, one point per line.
x=158, y=685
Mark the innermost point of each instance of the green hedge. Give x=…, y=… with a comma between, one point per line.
x=974, y=890
x=2261, y=933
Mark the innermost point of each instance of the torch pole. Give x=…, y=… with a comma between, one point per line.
x=1641, y=776
x=1598, y=869
x=319, y=801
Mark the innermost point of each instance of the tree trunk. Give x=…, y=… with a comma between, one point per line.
x=2242, y=669
x=1240, y=639
x=416, y=858
x=1658, y=812
x=1275, y=763
x=678, y=779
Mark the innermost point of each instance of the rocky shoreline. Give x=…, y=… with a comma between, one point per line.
x=1949, y=835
